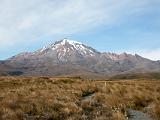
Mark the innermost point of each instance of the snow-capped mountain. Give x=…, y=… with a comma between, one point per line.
x=69, y=57
x=65, y=46
x=62, y=50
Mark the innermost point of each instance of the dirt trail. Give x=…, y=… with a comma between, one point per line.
x=88, y=97
x=134, y=114
x=137, y=115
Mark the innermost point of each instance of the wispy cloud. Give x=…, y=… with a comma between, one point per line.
x=28, y=20
x=152, y=54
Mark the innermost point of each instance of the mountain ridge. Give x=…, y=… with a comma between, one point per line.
x=68, y=57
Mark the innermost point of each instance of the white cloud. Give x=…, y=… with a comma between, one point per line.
x=29, y=20
x=152, y=54
x=149, y=54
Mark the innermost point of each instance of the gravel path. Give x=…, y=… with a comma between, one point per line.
x=137, y=115
x=134, y=114
x=88, y=97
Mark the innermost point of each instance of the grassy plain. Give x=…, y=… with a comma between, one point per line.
x=73, y=98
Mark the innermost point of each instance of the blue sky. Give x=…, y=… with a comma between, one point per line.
x=131, y=26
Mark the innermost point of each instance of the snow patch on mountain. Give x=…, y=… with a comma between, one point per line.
x=65, y=46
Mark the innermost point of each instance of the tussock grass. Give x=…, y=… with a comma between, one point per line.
x=66, y=98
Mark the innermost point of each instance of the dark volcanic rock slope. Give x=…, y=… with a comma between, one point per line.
x=67, y=57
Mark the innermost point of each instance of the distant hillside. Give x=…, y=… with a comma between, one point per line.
x=137, y=76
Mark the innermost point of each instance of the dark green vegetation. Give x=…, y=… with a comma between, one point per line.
x=45, y=98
